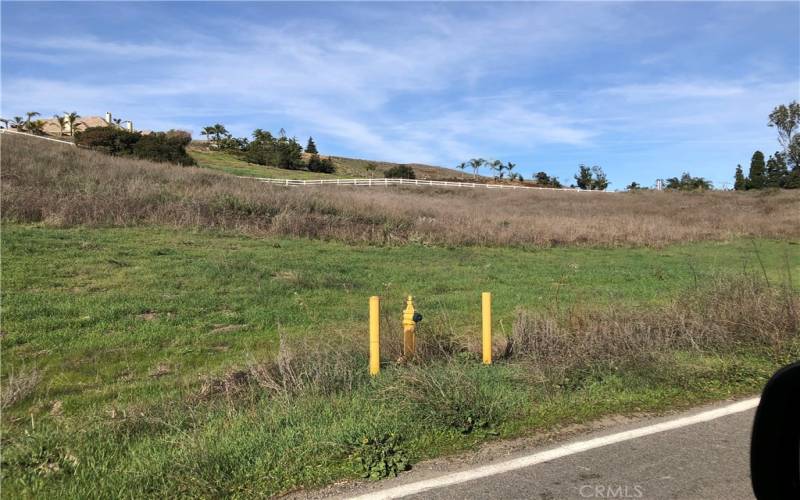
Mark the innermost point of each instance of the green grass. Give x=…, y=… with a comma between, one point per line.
x=230, y=164
x=98, y=311
x=345, y=168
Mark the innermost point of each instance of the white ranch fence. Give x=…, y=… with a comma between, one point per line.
x=406, y=182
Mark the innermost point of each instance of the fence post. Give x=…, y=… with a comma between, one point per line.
x=374, y=335
x=486, y=303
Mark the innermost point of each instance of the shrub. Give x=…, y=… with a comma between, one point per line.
x=160, y=146
x=164, y=147
x=317, y=164
x=400, y=172
x=109, y=140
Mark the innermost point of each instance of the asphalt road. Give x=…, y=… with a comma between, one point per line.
x=694, y=460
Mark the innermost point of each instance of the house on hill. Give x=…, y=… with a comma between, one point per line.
x=51, y=125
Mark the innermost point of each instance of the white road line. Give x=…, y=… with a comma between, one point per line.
x=561, y=451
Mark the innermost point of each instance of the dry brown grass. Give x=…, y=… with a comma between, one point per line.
x=18, y=386
x=726, y=314
x=62, y=186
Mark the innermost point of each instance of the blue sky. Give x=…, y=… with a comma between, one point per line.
x=645, y=90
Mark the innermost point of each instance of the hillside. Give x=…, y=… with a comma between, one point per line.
x=175, y=329
x=345, y=167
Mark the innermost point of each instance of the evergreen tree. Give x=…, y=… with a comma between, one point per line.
x=777, y=172
x=311, y=148
x=757, y=172
x=584, y=177
x=740, y=181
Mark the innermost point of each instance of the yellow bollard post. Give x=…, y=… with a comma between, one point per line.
x=486, y=303
x=408, y=328
x=374, y=335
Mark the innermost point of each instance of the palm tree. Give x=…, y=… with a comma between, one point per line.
x=206, y=132
x=61, y=121
x=4, y=121
x=510, y=167
x=72, y=121
x=475, y=164
x=461, y=166
x=16, y=122
x=220, y=131
x=117, y=122
x=36, y=127
x=498, y=166
x=31, y=114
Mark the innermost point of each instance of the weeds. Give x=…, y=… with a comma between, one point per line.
x=727, y=314
x=18, y=386
x=379, y=457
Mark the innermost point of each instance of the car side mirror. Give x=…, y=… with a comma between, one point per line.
x=775, y=441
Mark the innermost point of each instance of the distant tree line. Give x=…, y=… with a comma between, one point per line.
x=266, y=149
x=782, y=169
x=590, y=178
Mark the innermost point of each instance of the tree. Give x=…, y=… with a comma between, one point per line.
x=30, y=115
x=793, y=153
x=208, y=132
x=777, y=172
x=688, y=183
x=786, y=118
x=317, y=164
x=36, y=127
x=16, y=122
x=72, y=121
x=542, y=179
x=757, y=175
x=475, y=164
x=220, y=131
x=740, y=181
x=498, y=167
x=461, y=166
x=282, y=152
x=400, y=172
x=4, y=121
x=600, y=182
x=633, y=186
x=591, y=178
x=311, y=147
x=584, y=177
x=371, y=168
x=510, y=168
x=62, y=122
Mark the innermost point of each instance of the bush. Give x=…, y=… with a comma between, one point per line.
x=160, y=146
x=400, y=172
x=317, y=164
x=164, y=147
x=113, y=141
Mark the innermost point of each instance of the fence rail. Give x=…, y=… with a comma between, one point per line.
x=404, y=182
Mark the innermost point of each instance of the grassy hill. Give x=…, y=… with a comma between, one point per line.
x=178, y=331
x=345, y=167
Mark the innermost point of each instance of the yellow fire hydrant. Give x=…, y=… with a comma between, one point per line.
x=410, y=318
